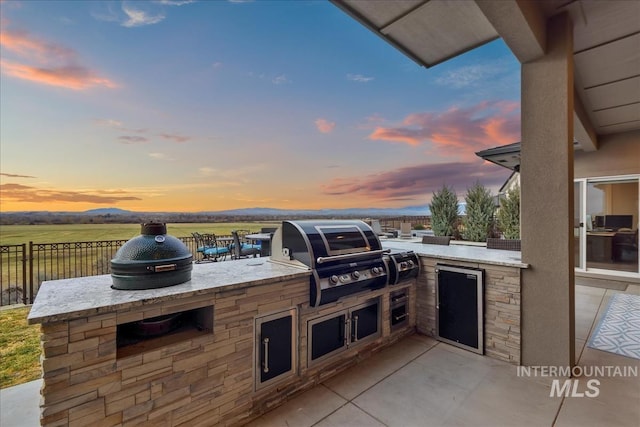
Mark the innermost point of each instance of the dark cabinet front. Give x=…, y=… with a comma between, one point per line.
x=364, y=322
x=275, y=351
x=332, y=333
x=459, y=307
x=399, y=308
x=275, y=346
x=328, y=336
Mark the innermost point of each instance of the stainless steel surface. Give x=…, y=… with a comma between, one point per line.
x=345, y=256
x=265, y=367
x=355, y=335
x=477, y=277
x=322, y=259
x=402, y=266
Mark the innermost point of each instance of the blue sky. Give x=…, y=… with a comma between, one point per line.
x=207, y=105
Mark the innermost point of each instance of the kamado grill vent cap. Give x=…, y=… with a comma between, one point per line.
x=151, y=260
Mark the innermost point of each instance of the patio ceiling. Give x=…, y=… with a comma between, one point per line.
x=606, y=45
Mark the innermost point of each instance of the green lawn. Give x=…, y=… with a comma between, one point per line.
x=17, y=234
x=19, y=342
x=19, y=348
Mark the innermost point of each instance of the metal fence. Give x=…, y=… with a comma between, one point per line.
x=13, y=273
x=390, y=224
x=24, y=267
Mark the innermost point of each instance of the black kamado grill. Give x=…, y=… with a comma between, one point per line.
x=151, y=260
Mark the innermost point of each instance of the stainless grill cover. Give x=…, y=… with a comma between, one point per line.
x=345, y=256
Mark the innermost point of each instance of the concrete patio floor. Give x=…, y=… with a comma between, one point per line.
x=423, y=382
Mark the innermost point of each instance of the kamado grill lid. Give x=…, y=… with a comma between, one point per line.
x=153, y=259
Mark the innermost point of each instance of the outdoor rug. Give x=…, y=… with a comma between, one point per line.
x=619, y=329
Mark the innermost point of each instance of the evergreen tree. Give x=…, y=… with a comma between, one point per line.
x=444, y=211
x=509, y=214
x=479, y=219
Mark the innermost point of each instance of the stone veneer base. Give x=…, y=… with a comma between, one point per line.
x=208, y=379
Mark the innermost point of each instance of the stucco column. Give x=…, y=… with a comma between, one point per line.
x=547, y=201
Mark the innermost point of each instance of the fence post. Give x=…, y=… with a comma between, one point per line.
x=31, y=272
x=24, y=274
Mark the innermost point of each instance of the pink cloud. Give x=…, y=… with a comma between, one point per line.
x=24, y=193
x=417, y=181
x=175, y=138
x=325, y=126
x=13, y=175
x=458, y=130
x=47, y=63
x=133, y=139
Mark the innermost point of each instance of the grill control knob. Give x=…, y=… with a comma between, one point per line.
x=403, y=265
x=355, y=274
x=411, y=264
x=333, y=280
x=376, y=270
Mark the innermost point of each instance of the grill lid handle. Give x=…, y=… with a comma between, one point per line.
x=323, y=259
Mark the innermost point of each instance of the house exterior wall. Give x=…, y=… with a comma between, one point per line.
x=547, y=201
x=617, y=155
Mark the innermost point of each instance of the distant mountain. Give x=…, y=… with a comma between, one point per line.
x=418, y=210
x=405, y=211
x=107, y=211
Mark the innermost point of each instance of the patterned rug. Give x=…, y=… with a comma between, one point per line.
x=619, y=329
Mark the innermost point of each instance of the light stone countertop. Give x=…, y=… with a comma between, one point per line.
x=476, y=254
x=83, y=296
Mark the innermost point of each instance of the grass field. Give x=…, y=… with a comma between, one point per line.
x=19, y=342
x=57, y=233
x=19, y=348
x=54, y=261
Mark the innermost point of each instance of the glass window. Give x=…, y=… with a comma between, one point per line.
x=612, y=235
x=343, y=239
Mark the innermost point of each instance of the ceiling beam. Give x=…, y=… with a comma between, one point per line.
x=583, y=130
x=521, y=24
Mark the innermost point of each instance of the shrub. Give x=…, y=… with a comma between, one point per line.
x=419, y=227
x=479, y=220
x=444, y=211
x=509, y=214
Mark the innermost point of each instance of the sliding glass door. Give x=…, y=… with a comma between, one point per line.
x=607, y=225
x=579, y=223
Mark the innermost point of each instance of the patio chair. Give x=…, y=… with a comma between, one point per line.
x=504, y=244
x=377, y=228
x=436, y=240
x=208, y=248
x=405, y=230
x=242, y=249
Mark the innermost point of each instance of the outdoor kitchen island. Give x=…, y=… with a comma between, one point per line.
x=213, y=366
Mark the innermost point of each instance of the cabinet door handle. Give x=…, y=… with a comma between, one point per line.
x=400, y=298
x=402, y=316
x=355, y=335
x=347, y=326
x=265, y=363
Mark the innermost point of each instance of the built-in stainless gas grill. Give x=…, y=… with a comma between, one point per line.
x=345, y=257
x=402, y=265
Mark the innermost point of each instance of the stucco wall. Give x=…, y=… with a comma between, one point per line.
x=617, y=155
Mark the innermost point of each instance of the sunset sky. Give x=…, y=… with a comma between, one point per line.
x=207, y=105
